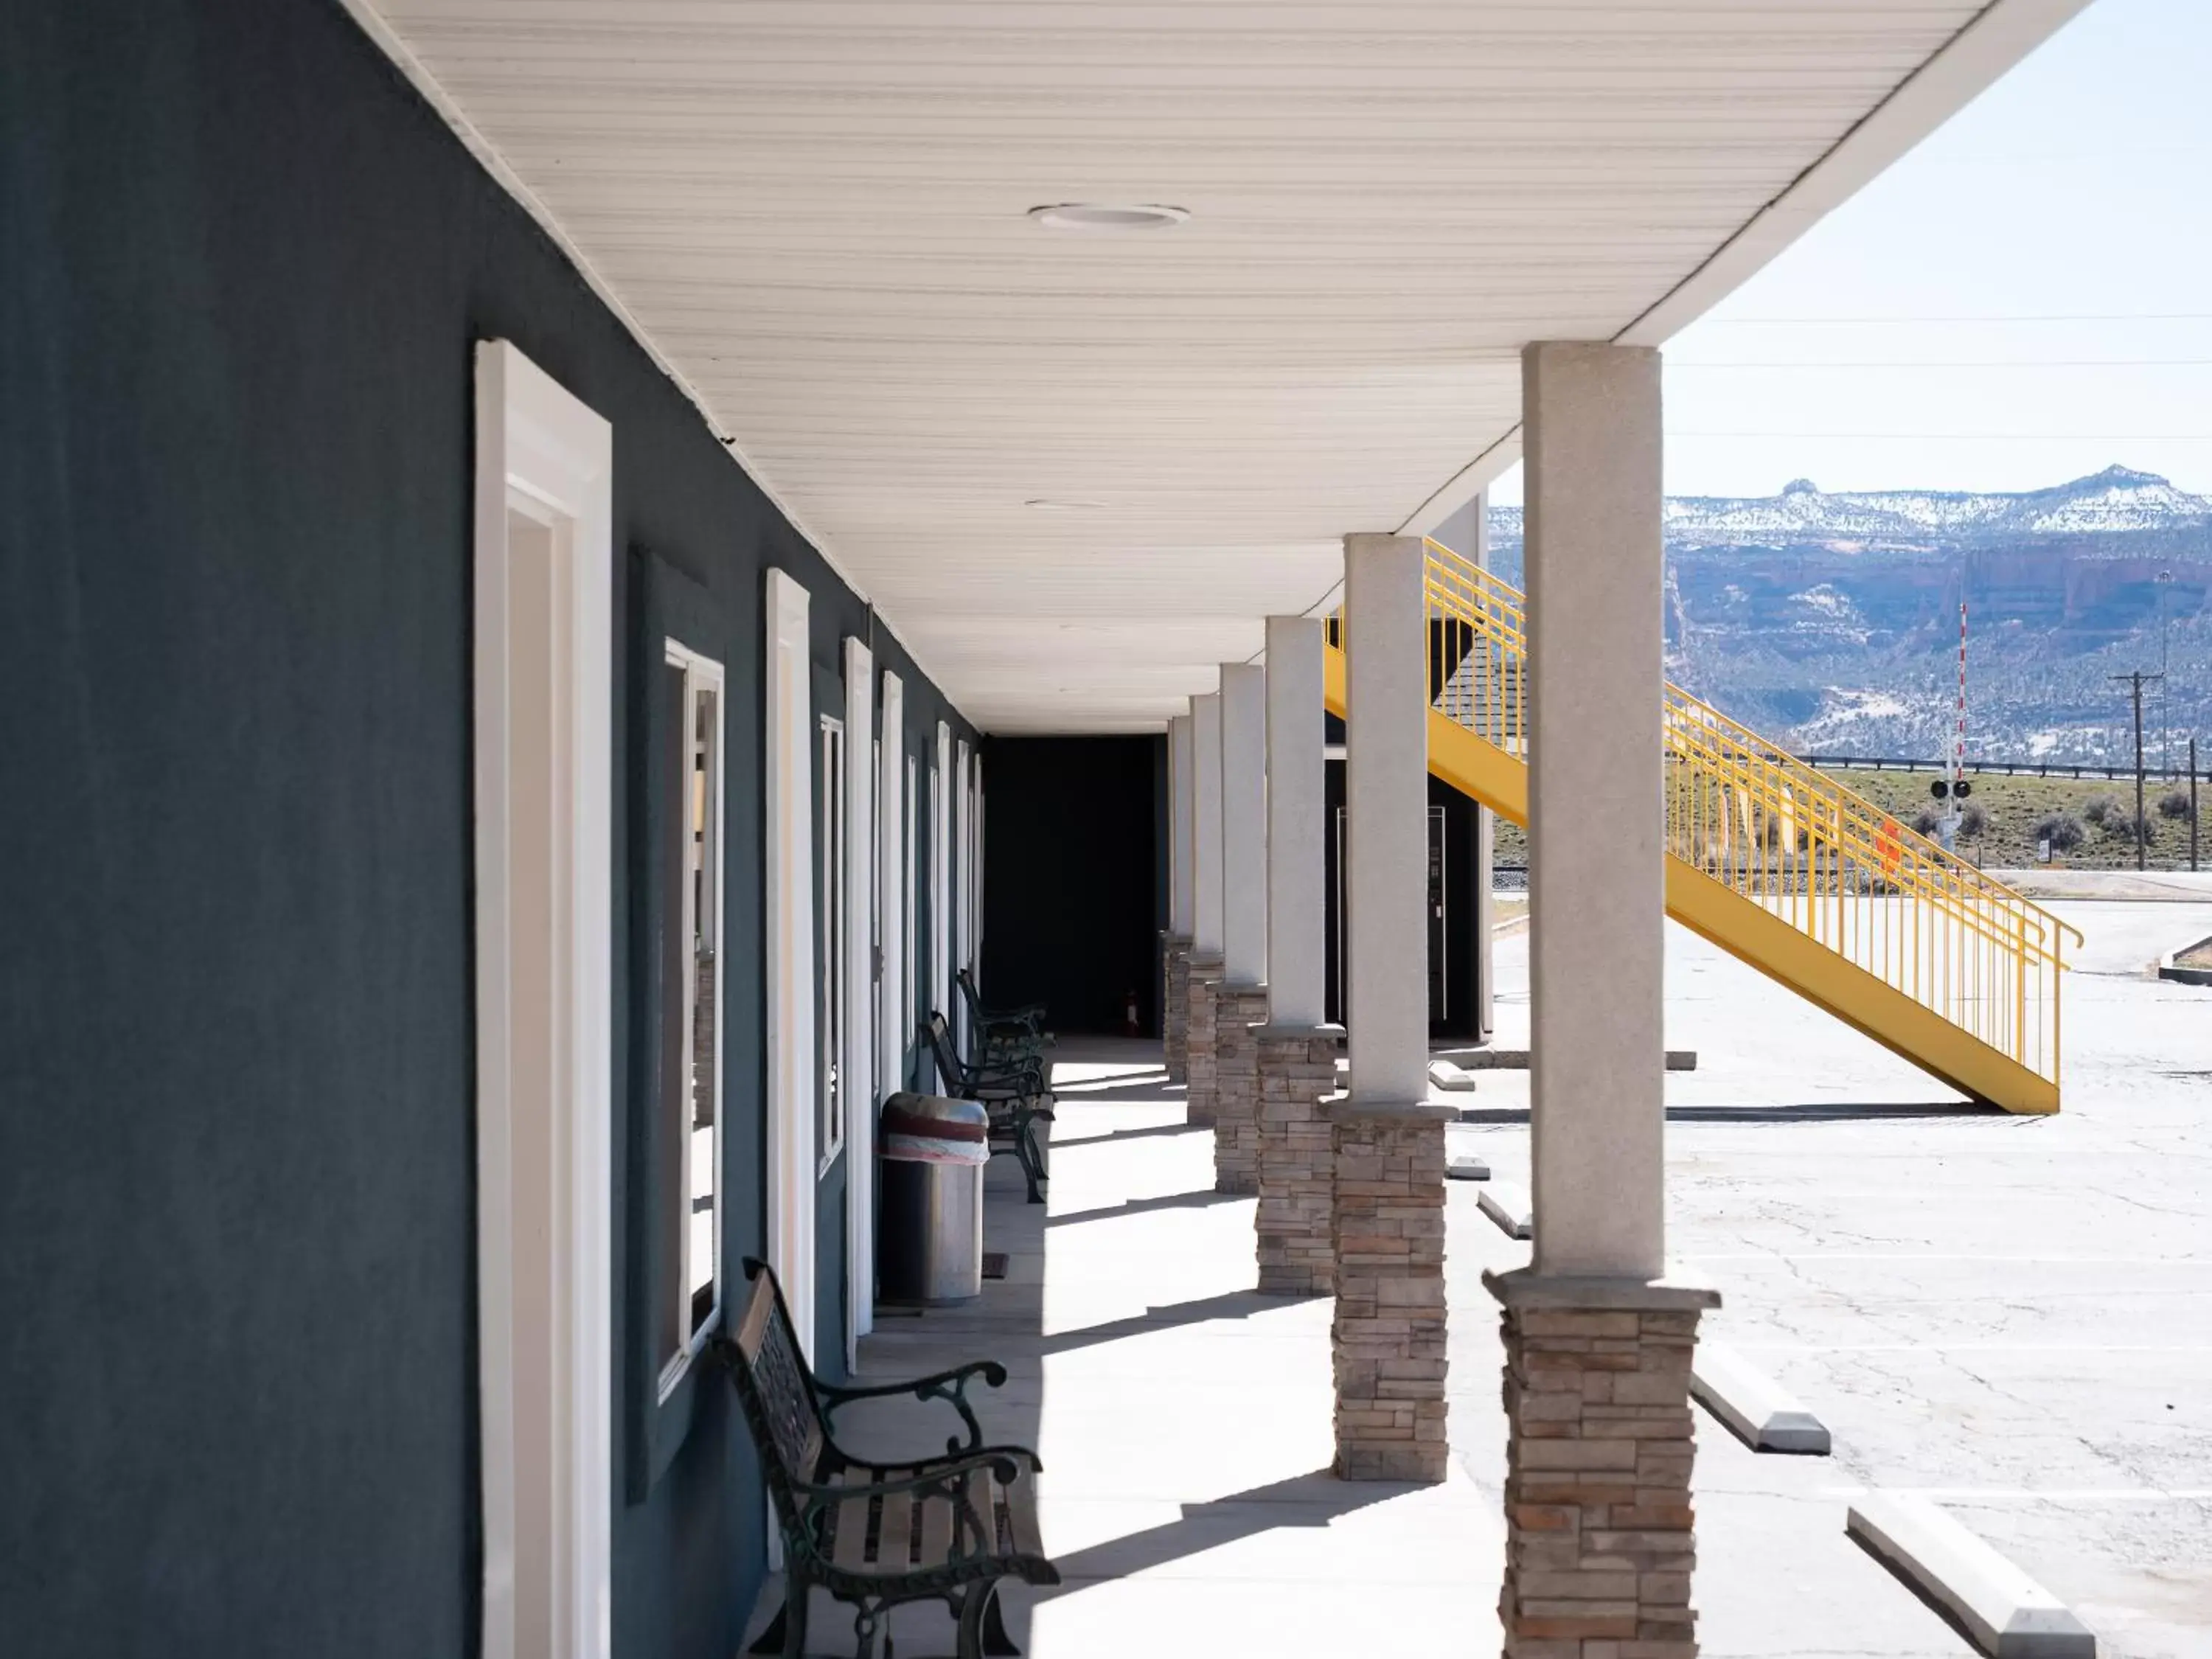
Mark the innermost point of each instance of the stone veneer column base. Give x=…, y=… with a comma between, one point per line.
x=1600, y=1539
x=1174, y=1004
x=1201, y=1071
x=1387, y=1340
x=1238, y=1011
x=1297, y=1159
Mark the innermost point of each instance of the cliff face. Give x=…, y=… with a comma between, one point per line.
x=1831, y=621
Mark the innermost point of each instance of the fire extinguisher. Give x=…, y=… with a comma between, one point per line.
x=1129, y=1026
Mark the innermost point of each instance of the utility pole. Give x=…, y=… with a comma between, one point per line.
x=2135, y=681
x=2192, y=802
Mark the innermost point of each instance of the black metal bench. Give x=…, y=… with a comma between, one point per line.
x=1007, y=1033
x=945, y=1526
x=1013, y=1092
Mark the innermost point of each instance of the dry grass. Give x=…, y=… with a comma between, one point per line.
x=2014, y=807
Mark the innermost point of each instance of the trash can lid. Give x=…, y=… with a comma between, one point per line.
x=935, y=1129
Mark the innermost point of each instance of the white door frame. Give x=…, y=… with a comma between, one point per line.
x=941, y=785
x=543, y=812
x=860, y=1005
x=963, y=880
x=788, y=761
x=890, y=815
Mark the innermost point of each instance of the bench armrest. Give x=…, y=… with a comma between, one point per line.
x=950, y=1386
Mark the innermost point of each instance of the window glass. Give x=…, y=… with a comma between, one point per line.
x=689, y=1141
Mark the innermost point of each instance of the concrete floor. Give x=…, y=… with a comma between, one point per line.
x=2013, y=1315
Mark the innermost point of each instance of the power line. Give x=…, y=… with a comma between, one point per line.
x=2017, y=363
x=2021, y=317
x=1979, y=437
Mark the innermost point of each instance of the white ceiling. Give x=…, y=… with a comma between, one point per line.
x=814, y=213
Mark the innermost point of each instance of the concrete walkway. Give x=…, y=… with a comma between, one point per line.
x=1183, y=1419
x=2015, y=1315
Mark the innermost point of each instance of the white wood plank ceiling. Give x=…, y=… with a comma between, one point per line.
x=814, y=212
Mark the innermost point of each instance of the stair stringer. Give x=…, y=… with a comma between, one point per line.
x=1754, y=935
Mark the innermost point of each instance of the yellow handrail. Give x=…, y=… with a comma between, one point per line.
x=1786, y=836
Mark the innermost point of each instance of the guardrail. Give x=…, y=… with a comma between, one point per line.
x=1779, y=831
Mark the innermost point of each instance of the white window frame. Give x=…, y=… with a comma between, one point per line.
x=700, y=672
x=789, y=879
x=834, y=1082
x=543, y=768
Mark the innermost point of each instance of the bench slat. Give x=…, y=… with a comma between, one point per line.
x=851, y=1548
x=936, y=1531
x=1022, y=1535
x=896, y=1552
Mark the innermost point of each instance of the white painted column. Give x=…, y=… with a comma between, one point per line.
x=793, y=1110
x=1296, y=820
x=1596, y=880
x=1243, y=825
x=1386, y=875
x=897, y=1018
x=1181, y=896
x=1206, y=825
x=857, y=946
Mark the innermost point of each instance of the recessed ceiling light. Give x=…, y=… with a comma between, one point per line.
x=1061, y=504
x=1109, y=216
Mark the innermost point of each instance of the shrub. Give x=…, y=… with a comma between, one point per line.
x=2102, y=810
x=2061, y=829
x=2174, y=804
x=2132, y=830
x=1973, y=819
x=1924, y=821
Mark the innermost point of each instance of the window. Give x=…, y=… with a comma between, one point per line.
x=830, y=1020
x=691, y=1072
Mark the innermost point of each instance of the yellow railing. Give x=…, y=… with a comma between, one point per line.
x=1826, y=862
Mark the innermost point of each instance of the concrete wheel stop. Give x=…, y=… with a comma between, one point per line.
x=1464, y=1166
x=1760, y=1412
x=1509, y=1208
x=2005, y=1612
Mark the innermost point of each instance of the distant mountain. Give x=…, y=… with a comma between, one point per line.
x=1830, y=621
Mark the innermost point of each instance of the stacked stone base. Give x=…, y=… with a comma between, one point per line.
x=1600, y=1540
x=1387, y=1339
x=1174, y=1004
x=1297, y=1159
x=1201, y=1067
x=1238, y=1011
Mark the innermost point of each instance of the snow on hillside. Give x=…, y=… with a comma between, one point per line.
x=2117, y=500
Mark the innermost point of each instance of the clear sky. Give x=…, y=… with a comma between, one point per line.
x=2024, y=299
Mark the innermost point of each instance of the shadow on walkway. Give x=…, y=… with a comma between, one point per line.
x=1816, y=1111
x=1231, y=1304
x=1304, y=1500
x=1128, y=1206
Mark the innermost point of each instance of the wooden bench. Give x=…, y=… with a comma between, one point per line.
x=1013, y=1091
x=945, y=1526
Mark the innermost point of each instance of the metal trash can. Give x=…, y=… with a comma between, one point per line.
x=929, y=1235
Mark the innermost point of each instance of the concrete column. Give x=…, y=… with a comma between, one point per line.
x=1241, y=1001
x=1297, y=1051
x=1202, y=1095
x=1388, y=1334
x=1386, y=881
x=1596, y=877
x=1600, y=1540
x=1296, y=820
x=1175, y=945
x=1467, y=532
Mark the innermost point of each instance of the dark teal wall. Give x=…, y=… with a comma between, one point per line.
x=242, y=272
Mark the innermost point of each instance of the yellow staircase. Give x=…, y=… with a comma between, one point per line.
x=1777, y=864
